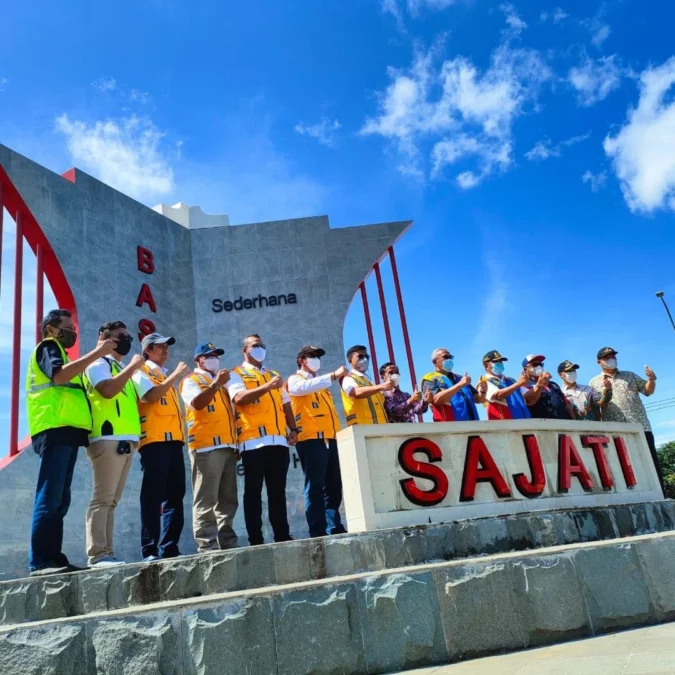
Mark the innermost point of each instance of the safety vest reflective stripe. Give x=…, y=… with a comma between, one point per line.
x=162, y=420
x=213, y=425
x=264, y=417
x=315, y=414
x=368, y=410
x=50, y=405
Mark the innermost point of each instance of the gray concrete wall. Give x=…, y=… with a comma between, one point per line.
x=95, y=231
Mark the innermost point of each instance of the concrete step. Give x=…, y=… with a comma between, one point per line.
x=82, y=593
x=373, y=622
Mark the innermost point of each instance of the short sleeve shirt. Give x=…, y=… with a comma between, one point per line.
x=626, y=404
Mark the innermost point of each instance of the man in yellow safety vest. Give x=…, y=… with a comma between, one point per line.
x=59, y=422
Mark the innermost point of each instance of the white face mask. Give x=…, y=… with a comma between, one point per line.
x=313, y=364
x=571, y=377
x=609, y=363
x=537, y=371
x=362, y=365
x=395, y=378
x=258, y=354
x=212, y=364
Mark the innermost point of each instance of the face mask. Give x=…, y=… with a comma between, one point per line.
x=537, y=371
x=67, y=337
x=395, y=377
x=498, y=368
x=212, y=364
x=258, y=354
x=362, y=364
x=609, y=363
x=571, y=377
x=123, y=345
x=448, y=365
x=313, y=364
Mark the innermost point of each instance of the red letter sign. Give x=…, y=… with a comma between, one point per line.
x=538, y=483
x=570, y=464
x=624, y=460
x=146, y=261
x=414, y=467
x=145, y=296
x=598, y=443
x=478, y=454
x=146, y=327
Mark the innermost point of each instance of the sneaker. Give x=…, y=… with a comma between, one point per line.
x=107, y=562
x=44, y=571
x=151, y=558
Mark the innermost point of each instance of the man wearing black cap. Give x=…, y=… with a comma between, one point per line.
x=212, y=442
x=626, y=405
x=504, y=396
x=585, y=401
x=318, y=423
x=161, y=449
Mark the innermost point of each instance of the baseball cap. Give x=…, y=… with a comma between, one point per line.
x=566, y=366
x=606, y=351
x=533, y=357
x=310, y=350
x=156, y=339
x=204, y=348
x=493, y=356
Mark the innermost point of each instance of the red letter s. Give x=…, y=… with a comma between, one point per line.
x=426, y=470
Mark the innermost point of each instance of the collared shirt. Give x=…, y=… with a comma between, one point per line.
x=398, y=409
x=551, y=402
x=100, y=371
x=189, y=391
x=626, y=404
x=141, y=380
x=303, y=383
x=585, y=400
x=236, y=385
x=348, y=383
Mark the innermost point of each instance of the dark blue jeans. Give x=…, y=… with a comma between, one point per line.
x=323, y=486
x=52, y=500
x=162, y=492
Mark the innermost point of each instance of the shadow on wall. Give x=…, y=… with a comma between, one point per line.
x=17, y=491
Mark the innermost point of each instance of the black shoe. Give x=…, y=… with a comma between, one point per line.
x=282, y=539
x=75, y=568
x=46, y=571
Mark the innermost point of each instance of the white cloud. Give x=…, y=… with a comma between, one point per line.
x=124, y=153
x=139, y=96
x=595, y=180
x=597, y=26
x=594, y=80
x=557, y=15
x=600, y=34
x=469, y=119
x=643, y=152
x=323, y=131
x=415, y=6
x=104, y=84
x=544, y=149
x=3, y=83
x=513, y=20
x=392, y=7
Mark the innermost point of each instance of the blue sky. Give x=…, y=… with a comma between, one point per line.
x=534, y=149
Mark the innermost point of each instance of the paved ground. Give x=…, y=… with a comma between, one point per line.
x=644, y=651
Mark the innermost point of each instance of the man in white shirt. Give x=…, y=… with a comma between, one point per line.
x=318, y=423
x=265, y=428
x=113, y=440
x=212, y=442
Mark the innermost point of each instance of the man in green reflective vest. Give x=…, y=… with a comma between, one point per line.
x=113, y=439
x=59, y=422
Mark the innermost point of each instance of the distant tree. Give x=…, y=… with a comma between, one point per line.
x=666, y=453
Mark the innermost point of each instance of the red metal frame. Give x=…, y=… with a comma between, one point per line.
x=369, y=329
x=2, y=213
x=16, y=340
x=385, y=316
x=39, y=294
x=28, y=228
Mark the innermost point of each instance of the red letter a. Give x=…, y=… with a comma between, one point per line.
x=145, y=296
x=570, y=464
x=477, y=455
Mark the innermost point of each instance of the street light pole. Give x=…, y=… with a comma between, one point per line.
x=659, y=294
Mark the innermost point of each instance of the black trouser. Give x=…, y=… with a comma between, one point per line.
x=269, y=463
x=162, y=492
x=655, y=457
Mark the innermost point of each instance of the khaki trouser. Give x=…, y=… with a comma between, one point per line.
x=110, y=471
x=214, y=495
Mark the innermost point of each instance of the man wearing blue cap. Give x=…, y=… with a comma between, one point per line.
x=212, y=441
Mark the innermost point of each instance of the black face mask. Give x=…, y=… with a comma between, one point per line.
x=67, y=337
x=124, y=344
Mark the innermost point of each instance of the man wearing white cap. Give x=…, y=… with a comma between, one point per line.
x=544, y=398
x=161, y=448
